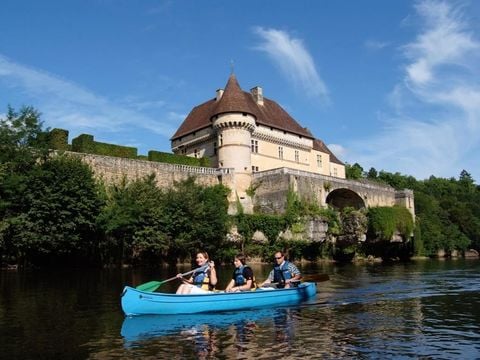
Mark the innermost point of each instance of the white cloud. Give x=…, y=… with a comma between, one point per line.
x=376, y=45
x=68, y=105
x=294, y=61
x=444, y=41
x=435, y=129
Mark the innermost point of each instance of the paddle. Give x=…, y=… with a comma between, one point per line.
x=315, y=277
x=154, y=285
x=306, y=277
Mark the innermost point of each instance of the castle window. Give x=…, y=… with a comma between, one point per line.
x=254, y=146
x=214, y=148
x=297, y=156
x=280, y=152
x=319, y=161
x=254, y=168
x=335, y=171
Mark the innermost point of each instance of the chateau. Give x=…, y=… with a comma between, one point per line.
x=248, y=133
x=255, y=148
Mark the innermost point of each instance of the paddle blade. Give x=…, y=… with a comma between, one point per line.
x=149, y=286
x=316, y=277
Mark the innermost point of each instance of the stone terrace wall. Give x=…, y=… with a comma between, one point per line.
x=114, y=169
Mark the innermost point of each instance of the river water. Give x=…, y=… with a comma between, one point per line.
x=425, y=309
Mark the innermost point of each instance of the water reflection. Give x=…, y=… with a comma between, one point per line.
x=136, y=328
x=203, y=332
x=428, y=310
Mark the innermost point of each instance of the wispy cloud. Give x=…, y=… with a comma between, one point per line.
x=435, y=126
x=294, y=60
x=376, y=45
x=68, y=105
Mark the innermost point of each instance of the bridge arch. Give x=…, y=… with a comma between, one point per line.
x=341, y=198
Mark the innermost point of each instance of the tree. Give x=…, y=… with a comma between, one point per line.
x=131, y=222
x=354, y=171
x=195, y=217
x=22, y=139
x=22, y=145
x=372, y=173
x=56, y=220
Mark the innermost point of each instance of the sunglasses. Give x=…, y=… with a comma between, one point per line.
x=278, y=257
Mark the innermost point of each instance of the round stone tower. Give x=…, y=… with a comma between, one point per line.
x=234, y=122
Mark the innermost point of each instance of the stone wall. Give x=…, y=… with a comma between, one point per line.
x=113, y=169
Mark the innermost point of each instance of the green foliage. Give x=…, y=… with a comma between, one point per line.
x=252, y=189
x=131, y=222
x=384, y=222
x=372, y=174
x=354, y=171
x=58, y=139
x=149, y=224
x=56, y=218
x=177, y=159
x=195, y=217
x=84, y=143
x=22, y=140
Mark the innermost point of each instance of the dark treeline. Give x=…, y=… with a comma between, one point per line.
x=447, y=210
x=54, y=212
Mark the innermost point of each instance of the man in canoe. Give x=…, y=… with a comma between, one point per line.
x=242, y=278
x=203, y=280
x=284, y=273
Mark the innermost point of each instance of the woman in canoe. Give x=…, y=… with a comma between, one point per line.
x=242, y=278
x=203, y=280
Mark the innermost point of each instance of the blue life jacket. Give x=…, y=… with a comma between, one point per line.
x=240, y=279
x=281, y=273
x=202, y=280
x=238, y=276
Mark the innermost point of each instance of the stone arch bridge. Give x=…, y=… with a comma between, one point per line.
x=271, y=188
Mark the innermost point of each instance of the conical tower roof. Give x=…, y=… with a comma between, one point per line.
x=234, y=99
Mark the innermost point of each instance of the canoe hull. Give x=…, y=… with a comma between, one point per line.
x=136, y=302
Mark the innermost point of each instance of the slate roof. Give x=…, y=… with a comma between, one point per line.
x=234, y=99
x=319, y=145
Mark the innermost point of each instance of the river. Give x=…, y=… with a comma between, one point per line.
x=424, y=309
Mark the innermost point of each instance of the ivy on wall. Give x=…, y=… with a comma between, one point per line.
x=385, y=221
x=86, y=144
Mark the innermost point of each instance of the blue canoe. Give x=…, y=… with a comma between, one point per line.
x=145, y=327
x=136, y=302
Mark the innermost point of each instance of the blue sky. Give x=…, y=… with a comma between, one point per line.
x=393, y=85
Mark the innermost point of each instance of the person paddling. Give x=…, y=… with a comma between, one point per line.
x=242, y=278
x=201, y=281
x=284, y=273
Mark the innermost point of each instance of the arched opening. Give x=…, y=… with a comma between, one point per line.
x=341, y=198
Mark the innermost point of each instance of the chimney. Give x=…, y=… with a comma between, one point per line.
x=219, y=94
x=257, y=94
